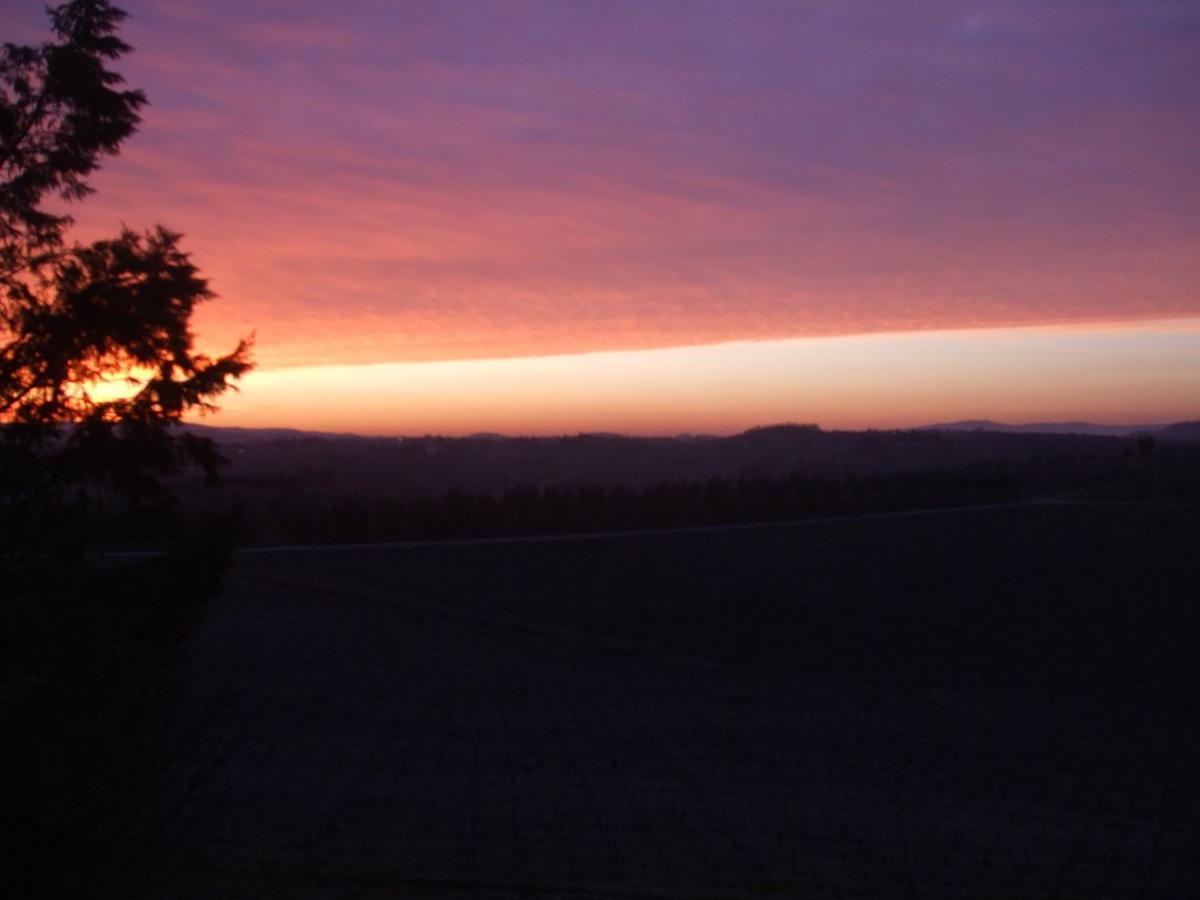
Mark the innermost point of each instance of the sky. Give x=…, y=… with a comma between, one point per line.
x=676, y=216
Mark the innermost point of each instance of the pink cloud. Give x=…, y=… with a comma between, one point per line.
x=364, y=184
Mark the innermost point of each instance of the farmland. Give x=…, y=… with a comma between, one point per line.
x=990, y=702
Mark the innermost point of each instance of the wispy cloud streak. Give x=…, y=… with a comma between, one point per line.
x=393, y=181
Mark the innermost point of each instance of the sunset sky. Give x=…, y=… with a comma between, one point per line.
x=658, y=217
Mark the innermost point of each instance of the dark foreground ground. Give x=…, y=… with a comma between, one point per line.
x=989, y=704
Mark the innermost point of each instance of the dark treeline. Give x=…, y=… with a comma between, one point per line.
x=431, y=466
x=549, y=509
x=297, y=513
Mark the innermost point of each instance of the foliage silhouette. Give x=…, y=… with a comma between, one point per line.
x=78, y=318
x=87, y=649
x=349, y=490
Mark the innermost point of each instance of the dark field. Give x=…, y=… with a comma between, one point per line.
x=997, y=703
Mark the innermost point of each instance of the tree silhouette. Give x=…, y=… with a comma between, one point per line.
x=77, y=317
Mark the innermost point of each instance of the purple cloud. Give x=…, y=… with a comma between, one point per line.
x=376, y=181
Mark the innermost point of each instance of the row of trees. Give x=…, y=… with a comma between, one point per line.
x=299, y=516
x=308, y=507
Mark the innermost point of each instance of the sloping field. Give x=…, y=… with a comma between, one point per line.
x=996, y=703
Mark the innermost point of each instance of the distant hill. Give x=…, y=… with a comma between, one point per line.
x=231, y=436
x=1052, y=428
x=1181, y=432
x=1176, y=432
x=490, y=462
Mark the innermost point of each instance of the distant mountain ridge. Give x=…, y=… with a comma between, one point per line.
x=1179, y=428
x=236, y=435
x=1177, y=431
x=429, y=466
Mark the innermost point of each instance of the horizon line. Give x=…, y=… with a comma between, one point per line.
x=964, y=425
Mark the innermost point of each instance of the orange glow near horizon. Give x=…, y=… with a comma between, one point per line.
x=1136, y=373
